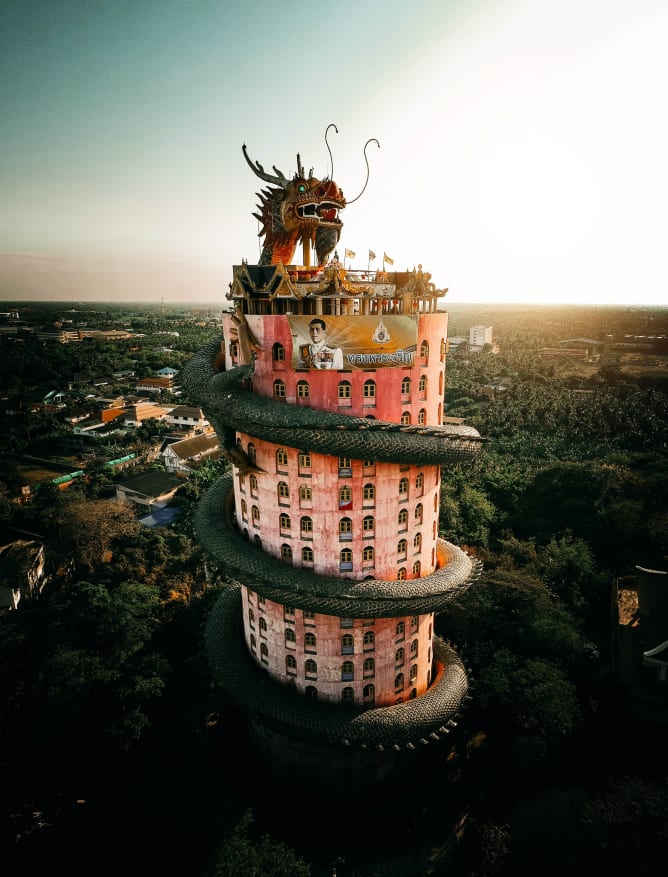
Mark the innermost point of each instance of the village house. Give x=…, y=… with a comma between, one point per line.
x=187, y=417
x=190, y=453
x=149, y=490
x=22, y=573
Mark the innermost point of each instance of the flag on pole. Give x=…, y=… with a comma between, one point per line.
x=372, y=255
x=349, y=254
x=387, y=259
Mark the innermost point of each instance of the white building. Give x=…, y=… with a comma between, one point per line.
x=480, y=335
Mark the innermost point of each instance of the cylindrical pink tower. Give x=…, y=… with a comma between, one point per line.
x=329, y=521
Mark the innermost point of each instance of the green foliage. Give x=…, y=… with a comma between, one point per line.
x=82, y=665
x=621, y=831
x=465, y=514
x=533, y=695
x=262, y=857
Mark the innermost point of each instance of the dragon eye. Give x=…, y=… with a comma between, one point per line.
x=301, y=187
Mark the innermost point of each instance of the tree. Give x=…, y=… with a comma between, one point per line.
x=90, y=527
x=240, y=854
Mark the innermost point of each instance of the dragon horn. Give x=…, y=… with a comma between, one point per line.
x=259, y=171
x=300, y=167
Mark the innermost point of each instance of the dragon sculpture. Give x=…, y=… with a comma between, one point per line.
x=299, y=210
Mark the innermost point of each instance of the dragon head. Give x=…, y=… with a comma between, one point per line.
x=301, y=209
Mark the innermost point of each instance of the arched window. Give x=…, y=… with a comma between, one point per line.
x=283, y=489
x=399, y=682
x=440, y=383
x=252, y=452
x=244, y=510
x=443, y=349
x=439, y=414
x=418, y=513
x=258, y=542
x=368, y=553
x=306, y=527
x=253, y=484
x=423, y=385
x=304, y=460
x=279, y=389
x=345, y=390
x=309, y=642
x=369, y=492
x=284, y=521
x=417, y=542
x=290, y=664
x=403, y=487
x=307, y=555
x=369, y=389
x=305, y=493
x=286, y=553
x=347, y=644
x=415, y=620
x=435, y=502
x=290, y=636
x=413, y=673
x=369, y=667
x=405, y=418
x=416, y=569
x=401, y=574
x=403, y=518
x=281, y=458
x=264, y=652
x=263, y=626
x=419, y=482
x=251, y=618
x=311, y=692
x=253, y=643
x=414, y=648
x=405, y=386
x=369, y=693
x=346, y=559
x=369, y=641
x=399, y=657
x=303, y=390
x=400, y=629
x=278, y=352
x=345, y=529
x=422, y=417
x=368, y=524
x=424, y=350
x=345, y=497
x=347, y=671
x=311, y=668
x=348, y=695
x=402, y=548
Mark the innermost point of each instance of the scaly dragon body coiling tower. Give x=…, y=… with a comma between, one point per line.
x=328, y=390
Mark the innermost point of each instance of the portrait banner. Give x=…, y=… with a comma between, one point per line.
x=348, y=343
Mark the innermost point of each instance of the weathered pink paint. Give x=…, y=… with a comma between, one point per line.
x=349, y=518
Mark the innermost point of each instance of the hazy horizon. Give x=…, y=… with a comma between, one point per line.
x=522, y=143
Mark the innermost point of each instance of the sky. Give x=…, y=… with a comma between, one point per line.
x=523, y=143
